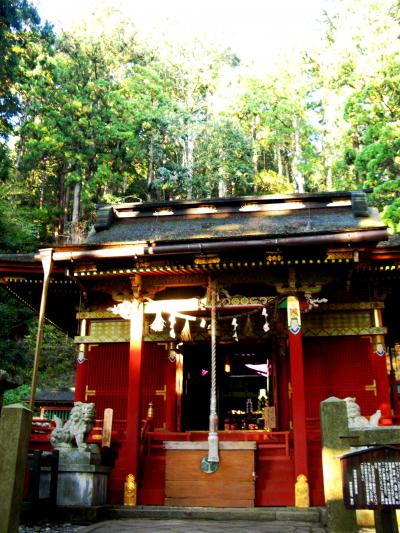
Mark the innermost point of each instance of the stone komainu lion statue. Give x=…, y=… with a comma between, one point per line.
x=77, y=427
x=356, y=420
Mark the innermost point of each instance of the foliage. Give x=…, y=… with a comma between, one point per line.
x=270, y=182
x=17, y=395
x=223, y=161
x=103, y=115
x=98, y=115
x=14, y=326
x=20, y=49
x=18, y=330
x=58, y=357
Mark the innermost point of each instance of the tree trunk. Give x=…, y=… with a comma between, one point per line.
x=20, y=153
x=75, y=233
x=188, y=159
x=150, y=170
x=42, y=186
x=64, y=210
x=76, y=202
x=329, y=174
x=256, y=120
x=297, y=175
x=278, y=156
x=221, y=188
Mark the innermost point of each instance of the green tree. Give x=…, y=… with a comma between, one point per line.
x=222, y=161
x=20, y=31
x=275, y=114
x=357, y=99
x=71, y=143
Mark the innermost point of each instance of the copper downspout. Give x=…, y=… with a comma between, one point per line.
x=143, y=249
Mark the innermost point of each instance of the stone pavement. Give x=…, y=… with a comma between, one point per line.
x=163, y=519
x=148, y=525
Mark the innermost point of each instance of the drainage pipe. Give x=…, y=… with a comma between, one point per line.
x=109, y=251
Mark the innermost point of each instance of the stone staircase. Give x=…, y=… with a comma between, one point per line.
x=311, y=515
x=89, y=515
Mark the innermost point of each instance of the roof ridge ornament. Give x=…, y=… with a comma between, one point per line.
x=104, y=218
x=359, y=203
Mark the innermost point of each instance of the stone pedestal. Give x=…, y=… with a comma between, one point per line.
x=81, y=480
x=82, y=485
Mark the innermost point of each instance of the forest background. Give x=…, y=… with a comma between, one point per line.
x=100, y=114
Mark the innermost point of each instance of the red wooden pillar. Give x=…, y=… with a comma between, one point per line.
x=394, y=391
x=381, y=370
x=178, y=389
x=298, y=400
x=170, y=407
x=81, y=368
x=80, y=379
x=382, y=385
x=134, y=388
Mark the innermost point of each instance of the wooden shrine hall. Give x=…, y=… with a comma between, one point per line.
x=215, y=328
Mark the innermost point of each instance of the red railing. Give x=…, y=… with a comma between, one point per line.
x=43, y=427
x=48, y=411
x=117, y=432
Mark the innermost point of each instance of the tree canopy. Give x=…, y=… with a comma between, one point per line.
x=98, y=115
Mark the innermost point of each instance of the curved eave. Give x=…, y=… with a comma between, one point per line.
x=386, y=254
x=142, y=249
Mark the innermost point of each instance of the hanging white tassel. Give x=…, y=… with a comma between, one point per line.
x=185, y=333
x=158, y=323
x=235, y=325
x=172, y=318
x=264, y=313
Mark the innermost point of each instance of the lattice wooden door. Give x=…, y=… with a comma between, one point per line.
x=107, y=378
x=158, y=385
x=341, y=367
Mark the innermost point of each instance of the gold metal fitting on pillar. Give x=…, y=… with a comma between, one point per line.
x=302, y=492
x=130, y=491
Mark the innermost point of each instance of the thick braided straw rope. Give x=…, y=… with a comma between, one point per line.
x=213, y=428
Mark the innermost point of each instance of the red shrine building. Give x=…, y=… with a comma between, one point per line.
x=213, y=329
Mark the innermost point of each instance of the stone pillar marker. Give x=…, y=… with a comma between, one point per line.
x=343, y=427
x=334, y=425
x=15, y=430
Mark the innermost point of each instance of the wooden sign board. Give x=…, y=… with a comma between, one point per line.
x=371, y=478
x=107, y=427
x=269, y=417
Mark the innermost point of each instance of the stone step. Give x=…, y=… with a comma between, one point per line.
x=313, y=515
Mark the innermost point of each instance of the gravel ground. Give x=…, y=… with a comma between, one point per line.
x=50, y=528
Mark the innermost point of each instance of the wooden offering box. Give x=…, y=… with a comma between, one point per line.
x=231, y=485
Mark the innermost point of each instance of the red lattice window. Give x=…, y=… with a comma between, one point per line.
x=108, y=377
x=338, y=366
